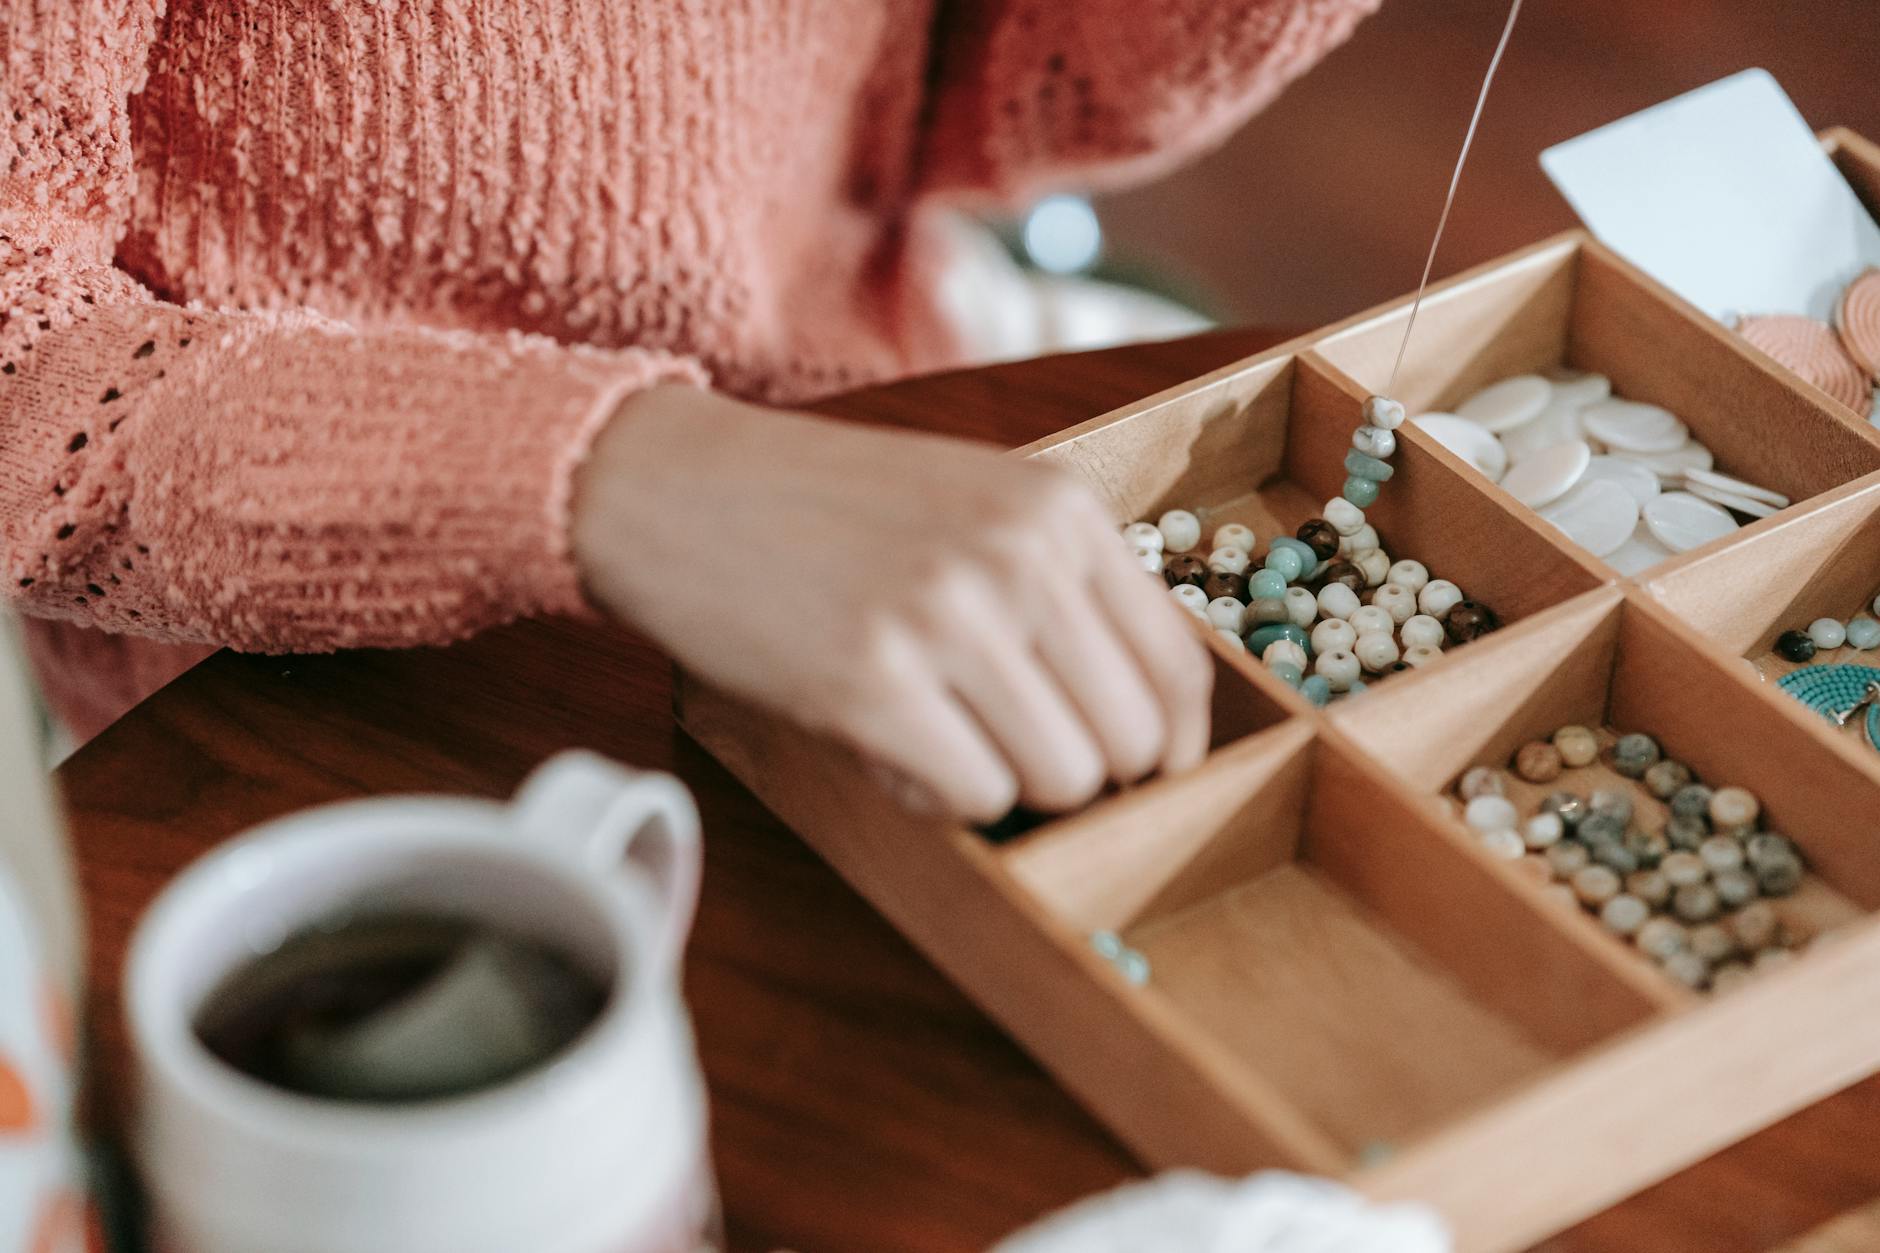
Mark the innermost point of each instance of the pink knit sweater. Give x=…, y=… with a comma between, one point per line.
x=310, y=307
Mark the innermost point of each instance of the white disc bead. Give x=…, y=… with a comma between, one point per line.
x=1143, y=535
x=1399, y=602
x=1180, y=529
x=1345, y=517
x=1409, y=575
x=1332, y=635
x=1422, y=631
x=1302, y=607
x=1191, y=598
x=1374, y=441
x=1438, y=597
x=1227, y=613
x=1229, y=560
x=1338, y=601
x=1339, y=668
x=1284, y=650
x=1359, y=540
x=1375, y=566
x=1383, y=413
x=1234, y=535
x=1371, y=618
x=1376, y=651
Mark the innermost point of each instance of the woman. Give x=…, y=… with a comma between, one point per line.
x=332, y=323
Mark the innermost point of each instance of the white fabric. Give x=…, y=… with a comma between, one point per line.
x=1190, y=1212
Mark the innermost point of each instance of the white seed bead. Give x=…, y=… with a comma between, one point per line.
x=1263, y=611
x=1489, y=812
x=1396, y=601
x=1438, y=598
x=1359, y=540
x=1340, y=669
x=1375, y=566
x=1143, y=535
x=1417, y=658
x=1422, y=631
x=1409, y=575
x=1371, y=618
x=1376, y=651
x=1333, y=634
x=1232, y=639
x=1504, y=844
x=1345, y=517
x=1180, y=529
x=1234, y=535
x=1149, y=558
x=1543, y=831
x=1229, y=560
x=1374, y=441
x=1284, y=650
x=1827, y=633
x=1227, y=613
x=1191, y=598
x=1338, y=601
x=1383, y=413
x=1302, y=607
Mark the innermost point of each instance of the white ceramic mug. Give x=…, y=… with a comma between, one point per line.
x=602, y=1149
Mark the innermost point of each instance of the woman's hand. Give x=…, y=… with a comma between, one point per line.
x=968, y=619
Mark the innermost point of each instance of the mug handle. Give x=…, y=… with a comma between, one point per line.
x=603, y=815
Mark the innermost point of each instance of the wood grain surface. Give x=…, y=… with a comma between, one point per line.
x=859, y=1101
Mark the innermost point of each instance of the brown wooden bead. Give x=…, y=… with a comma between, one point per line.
x=1186, y=568
x=1320, y=536
x=1469, y=620
x=1344, y=572
x=1222, y=583
x=1538, y=762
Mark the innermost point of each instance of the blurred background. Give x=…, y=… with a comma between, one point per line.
x=1323, y=205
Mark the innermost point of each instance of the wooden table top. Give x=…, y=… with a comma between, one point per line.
x=859, y=1102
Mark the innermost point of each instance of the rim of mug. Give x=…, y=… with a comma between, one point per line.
x=161, y=1026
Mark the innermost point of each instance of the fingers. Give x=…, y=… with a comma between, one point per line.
x=924, y=734
x=1106, y=684
x=1166, y=650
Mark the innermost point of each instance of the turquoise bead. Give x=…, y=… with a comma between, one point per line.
x=1317, y=689
x=1266, y=585
x=1360, y=492
x=1307, y=558
x=1286, y=563
x=1261, y=636
x=1357, y=686
x=1362, y=466
x=1863, y=632
x=1292, y=674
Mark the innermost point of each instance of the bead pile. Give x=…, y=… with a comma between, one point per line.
x=1305, y=604
x=1623, y=480
x=1692, y=895
x=1861, y=633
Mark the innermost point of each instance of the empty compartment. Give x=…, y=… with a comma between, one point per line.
x=1309, y=919
x=1572, y=304
x=1616, y=663
x=1263, y=444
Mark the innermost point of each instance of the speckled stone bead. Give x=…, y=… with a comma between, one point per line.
x=1827, y=632
x=1219, y=583
x=1180, y=529
x=1649, y=886
x=1361, y=465
x=1263, y=637
x=1633, y=755
x=1482, y=781
x=1333, y=634
x=1734, y=809
x=1615, y=855
x=1261, y=612
x=1729, y=977
x=1284, y=652
x=1412, y=576
x=1570, y=807
x=1422, y=631
x=1317, y=689
x=1321, y=536
x=1538, y=762
x=1288, y=673
x=1371, y=618
x=1383, y=413
x=1659, y=938
x=1226, y=613
x=1543, y=831
x=1345, y=572
x=1346, y=516
x=1779, y=876
x=1302, y=607
x=1231, y=560
x=1265, y=585
x=1650, y=847
x=1360, y=540
x=1666, y=779
x=1420, y=656
x=1469, y=620
x=1374, y=441
x=1185, y=568
x=1712, y=942
x=1285, y=562
x=1504, y=844
x=1735, y=888
x=1339, y=668
x=1683, y=870
x=1692, y=801
x=1766, y=846
x=1696, y=902
x=1595, y=885
x=1438, y=597
x=1234, y=535
x=1686, y=833
x=1399, y=604
x=1757, y=926
x=1143, y=535
x=1338, y=601
x=1688, y=968
x=1374, y=565
x=1191, y=598
x=1624, y=914
x=1612, y=801
x=1863, y=633
x=1376, y=651
x=1795, y=646
x=1568, y=858
x=1578, y=745
x=1720, y=852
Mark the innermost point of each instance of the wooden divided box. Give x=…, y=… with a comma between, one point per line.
x=1343, y=981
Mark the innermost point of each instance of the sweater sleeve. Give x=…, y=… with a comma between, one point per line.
x=272, y=481
x=1033, y=94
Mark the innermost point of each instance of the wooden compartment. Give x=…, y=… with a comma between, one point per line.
x=1572, y=302
x=1262, y=443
